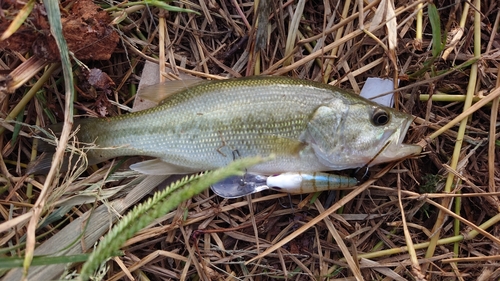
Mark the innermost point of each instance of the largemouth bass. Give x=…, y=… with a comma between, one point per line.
x=307, y=125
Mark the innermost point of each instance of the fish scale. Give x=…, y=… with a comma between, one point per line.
x=207, y=125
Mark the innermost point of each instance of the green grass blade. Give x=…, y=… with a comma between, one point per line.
x=437, y=38
x=42, y=260
x=54, y=16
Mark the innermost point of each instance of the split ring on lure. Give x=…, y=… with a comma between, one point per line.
x=292, y=182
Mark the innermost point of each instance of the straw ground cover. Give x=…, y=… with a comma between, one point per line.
x=433, y=217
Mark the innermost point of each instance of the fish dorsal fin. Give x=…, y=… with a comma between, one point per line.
x=159, y=92
x=159, y=167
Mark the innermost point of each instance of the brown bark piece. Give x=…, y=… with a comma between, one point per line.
x=85, y=27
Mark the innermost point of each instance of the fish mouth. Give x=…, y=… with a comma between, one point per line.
x=395, y=148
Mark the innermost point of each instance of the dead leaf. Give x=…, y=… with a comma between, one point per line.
x=386, y=13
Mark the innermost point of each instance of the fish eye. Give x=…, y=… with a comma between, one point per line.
x=380, y=117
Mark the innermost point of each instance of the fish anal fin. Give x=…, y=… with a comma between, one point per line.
x=298, y=147
x=159, y=167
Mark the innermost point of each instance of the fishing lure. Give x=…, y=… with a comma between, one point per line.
x=291, y=182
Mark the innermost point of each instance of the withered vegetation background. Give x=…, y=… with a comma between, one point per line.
x=209, y=238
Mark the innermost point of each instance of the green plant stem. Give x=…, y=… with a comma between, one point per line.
x=460, y=135
x=418, y=33
x=444, y=241
x=447, y=98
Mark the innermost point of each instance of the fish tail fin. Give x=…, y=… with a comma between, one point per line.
x=44, y=162
x=41, y=165
x=47, y=147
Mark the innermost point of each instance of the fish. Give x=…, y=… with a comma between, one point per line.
x=308, y=127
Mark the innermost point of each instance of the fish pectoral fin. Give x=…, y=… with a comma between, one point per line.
x=283, y=145
x=159, y=167
x=159, y=92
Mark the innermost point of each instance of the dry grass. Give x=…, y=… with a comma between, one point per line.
x=435, y=217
